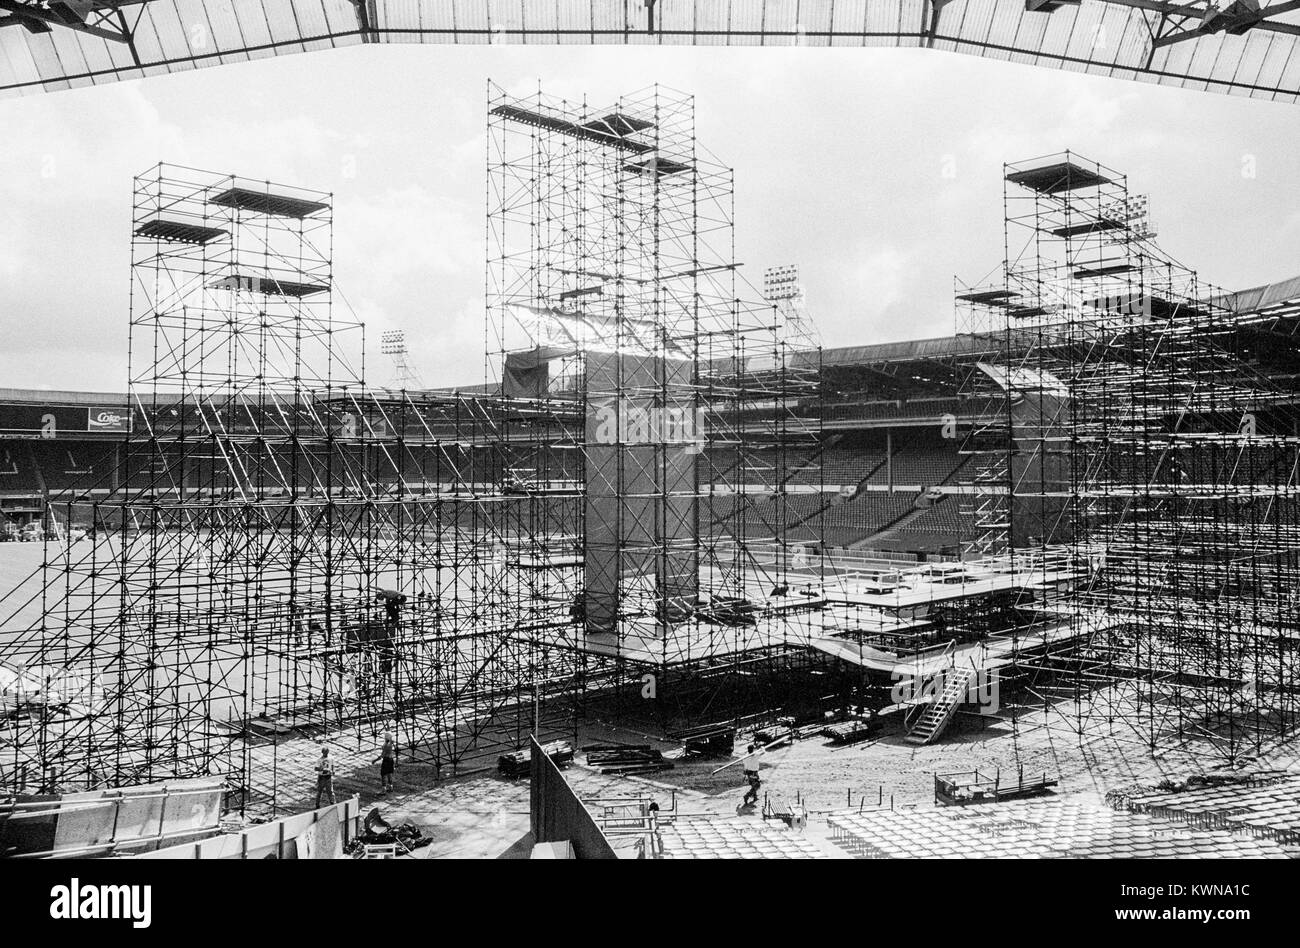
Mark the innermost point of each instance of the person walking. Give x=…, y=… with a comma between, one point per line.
x=387, y=763
x=324, y=777
x=752, y=776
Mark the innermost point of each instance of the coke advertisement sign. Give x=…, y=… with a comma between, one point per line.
x=108, y=419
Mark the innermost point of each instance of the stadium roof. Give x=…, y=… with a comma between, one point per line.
x=1277, y=297
x=50, y=397
x=1245, y=48
x=913, y=350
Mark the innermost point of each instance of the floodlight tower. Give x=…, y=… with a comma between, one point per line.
x=783, y=289
x=1134, y=211
x=393, y=344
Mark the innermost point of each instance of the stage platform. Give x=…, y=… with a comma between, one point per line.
x=997, y=651
x=836, y=620
x=917, y=594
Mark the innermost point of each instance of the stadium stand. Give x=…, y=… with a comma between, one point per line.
x=882, y=413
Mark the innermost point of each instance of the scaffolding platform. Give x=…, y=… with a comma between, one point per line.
x=179, y=232
x=604, y=130
x=693, y=641
x=269, y=286
x=656, y=166
x=1058, y=177
x=268, y=202
x=995, y=652
x=1100, y=225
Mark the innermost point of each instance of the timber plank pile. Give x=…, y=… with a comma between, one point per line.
x=848, y=732
x=709, y=741
x=518, y=763
x=626, y=758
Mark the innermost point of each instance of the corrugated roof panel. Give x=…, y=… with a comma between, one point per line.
x=1245, y=63
x=15, y=65
x=329, y=43
x=224, y=26
x=1269, y=69
x=1250, y=59
x=505, y=15
x=913, y=16
x=1058, y=29
x=1204, y=58
x=671, y=17
x=1291, y=73
x=410, y=15
x=1004, y=25
x=1119, y=24
x=994, y=24
x=712, y=17
x=475, y=14
x=976, y=22
x=291, y=20
x=848, y=17
x=882, y=19
x=68, y=50
x=254, y=29
x=1261, y=66
x=1088, y=38
x=1222, y=63
x=1029, y=35
x=575, y=17
x=711, y=22
x=10, y=58
x=913, y=11
x=1290, y=80
x=44, y=61
x=184, y=29
x=1174, y=58
x=340, y=15
x=538, y=20
x=168, y=34
x=747, y=16
x=607, y=17
x=815, y=18
x=1135, y=40
x=1281, y=292
x=49, y=67
x=1097, y=34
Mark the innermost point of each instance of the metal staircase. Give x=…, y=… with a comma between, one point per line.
x=935, y=717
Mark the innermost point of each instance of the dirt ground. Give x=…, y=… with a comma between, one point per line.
x=886, y=767
x=483, y=815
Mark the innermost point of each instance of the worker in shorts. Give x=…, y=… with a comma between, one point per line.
x=751, y=774
x=387, y=763
x=324, y=777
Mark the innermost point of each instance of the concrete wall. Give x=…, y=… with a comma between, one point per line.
x=318, y=834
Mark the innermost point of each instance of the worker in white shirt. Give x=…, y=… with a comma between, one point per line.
x=751, y=766
x=324, y=776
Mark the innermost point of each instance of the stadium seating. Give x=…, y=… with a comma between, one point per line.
x=887, y=503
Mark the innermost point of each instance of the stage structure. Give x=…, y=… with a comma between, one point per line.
x=612, y=284
x=283, y=551
x=1143, y=446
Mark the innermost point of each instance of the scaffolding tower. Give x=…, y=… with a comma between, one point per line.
x=1140, y=444
x=284, y=552
x=612, y=283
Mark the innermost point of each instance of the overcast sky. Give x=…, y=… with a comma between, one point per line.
x=877, y=171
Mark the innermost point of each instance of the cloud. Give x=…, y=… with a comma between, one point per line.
x=839, y=158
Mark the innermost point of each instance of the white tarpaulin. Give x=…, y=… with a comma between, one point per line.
x=1024, y=380
x=552, y=327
